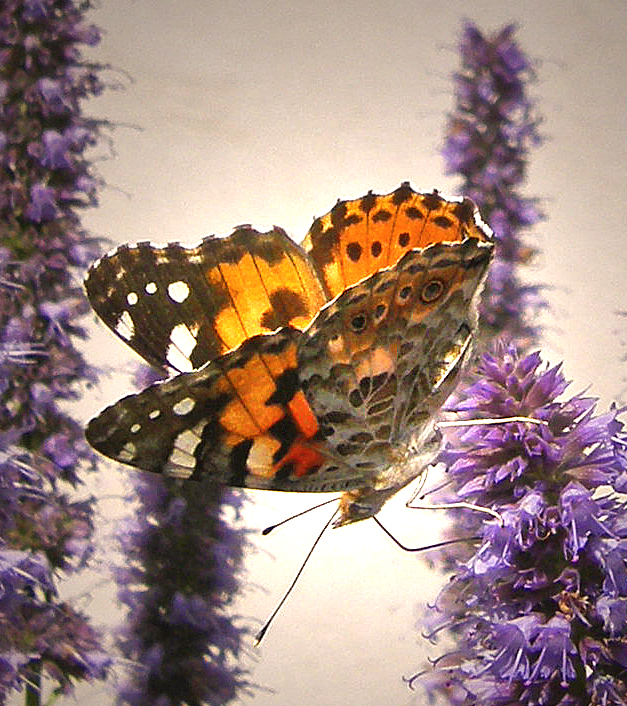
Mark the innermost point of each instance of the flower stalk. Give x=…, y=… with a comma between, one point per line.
x=46, y=180
x=538, y=610
x=488, y=136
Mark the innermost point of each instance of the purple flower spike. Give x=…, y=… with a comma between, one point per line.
x=184, y=560
x=542, y=604
x=487, y=139
x=538, y=612
x=45, y=179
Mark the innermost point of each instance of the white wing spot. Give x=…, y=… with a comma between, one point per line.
x=182, y=461
x=128, y=452
x=173, y=470
x=180, y=458
x=135, y=428
x=178, y=291
x=150, y=288
x=184, y=406
x=182, y=343
x=154, y=414
x=124, y=326
x=187, y=441
x=260, y=456
x=132, y=298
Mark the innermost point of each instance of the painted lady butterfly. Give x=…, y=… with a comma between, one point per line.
x=311, y=368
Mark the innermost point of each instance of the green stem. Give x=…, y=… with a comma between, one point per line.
x=33, y=684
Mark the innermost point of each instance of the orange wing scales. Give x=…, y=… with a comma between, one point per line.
x=268, y=283
x=181, y=307
x=315, y=367
x=242, y=418
x=357, y=238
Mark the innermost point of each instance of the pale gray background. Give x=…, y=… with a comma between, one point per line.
x=267, y=112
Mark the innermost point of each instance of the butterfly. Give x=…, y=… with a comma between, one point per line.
x=316, y=367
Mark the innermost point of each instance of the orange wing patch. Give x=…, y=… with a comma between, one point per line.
x=242, y=418
x=357, y=238
x=263, y=281
x=180, y=307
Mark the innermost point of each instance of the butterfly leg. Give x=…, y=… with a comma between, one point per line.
x=452, y=506
x=437, y=545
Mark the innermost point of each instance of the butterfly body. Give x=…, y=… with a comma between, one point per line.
x=312, y=368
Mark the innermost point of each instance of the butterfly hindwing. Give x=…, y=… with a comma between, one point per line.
x=381, y=359
x=180, y=307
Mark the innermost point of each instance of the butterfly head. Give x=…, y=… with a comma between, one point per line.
x=360, y=504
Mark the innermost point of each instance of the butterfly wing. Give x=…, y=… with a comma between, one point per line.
x=357, y=238
x=378, y=362
x=241, y=420
x=323, y=410
x=180, y=307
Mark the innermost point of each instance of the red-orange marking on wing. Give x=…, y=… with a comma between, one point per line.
x=304, y=459
x=303, y=416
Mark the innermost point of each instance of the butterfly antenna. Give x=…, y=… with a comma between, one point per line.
x=435, y=489
x=259, y=636
x=269, y=529
x=428, y=546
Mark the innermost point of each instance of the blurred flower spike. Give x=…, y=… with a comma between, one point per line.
x=488, y=136
x=539, y=613
x=46, y=178
x=183, y=560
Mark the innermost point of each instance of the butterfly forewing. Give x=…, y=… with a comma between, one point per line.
x=180, y=307
x=241, y=420
x=357, y=238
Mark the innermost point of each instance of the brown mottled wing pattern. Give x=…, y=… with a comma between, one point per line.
x=311, y=368
x=180, y=307
x=357, y=238
x=377, y=363
x=241, y=419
